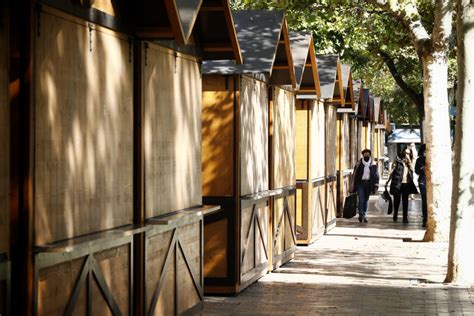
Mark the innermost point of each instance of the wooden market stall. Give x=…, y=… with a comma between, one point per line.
x=343, y=158
x=242, y=239
x=310, y=136
x=379, y=132
x=111, y=150
x=4, y=163
x=332, y=92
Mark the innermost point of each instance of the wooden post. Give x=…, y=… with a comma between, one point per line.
x=21, y=175
x=138, y=183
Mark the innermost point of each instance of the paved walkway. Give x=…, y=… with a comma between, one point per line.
x=357, y=269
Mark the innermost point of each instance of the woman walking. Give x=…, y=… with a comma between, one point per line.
x=420, y=171
x=401, y=183
x=365, y=181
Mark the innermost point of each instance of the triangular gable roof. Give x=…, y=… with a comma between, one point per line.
x=178, y=20
x=329, y=69
x=304, y=60
x=262, y=38
x=348, y=89
x=216, y=32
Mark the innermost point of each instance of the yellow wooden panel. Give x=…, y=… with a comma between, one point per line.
x=331, y=140
x=253, y=136
x=302, y=138
x=83, y=129
x=346, y=142
x=283, y=145
x=251, y=244
x=172, y=131
x=317, y=146
x=4, y=137
x=217, y=136
x=215, y=249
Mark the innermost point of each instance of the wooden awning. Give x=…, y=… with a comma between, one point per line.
x=306, y=67
x=363, y=103
x=330, y=77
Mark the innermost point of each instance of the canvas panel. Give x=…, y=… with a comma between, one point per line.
x=331, y=140
x=318, y=145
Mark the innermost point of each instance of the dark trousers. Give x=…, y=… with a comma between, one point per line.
x=363, y=191
x=424, y=203
x=404, y=196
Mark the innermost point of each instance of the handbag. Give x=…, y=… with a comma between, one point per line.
x=382, y=205
x=350, y=206
x=388, y=198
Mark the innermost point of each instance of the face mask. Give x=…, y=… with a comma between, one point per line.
x=366, y=159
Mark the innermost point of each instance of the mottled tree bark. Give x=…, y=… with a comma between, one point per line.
x=461, y=241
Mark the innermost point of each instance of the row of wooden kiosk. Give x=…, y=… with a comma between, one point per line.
x=152, y=152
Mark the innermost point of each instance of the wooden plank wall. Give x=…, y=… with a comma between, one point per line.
x=318, y=209
x=284, y=138
x=218, y=135
x=253, y=136
x=4, y=136
x=173, y=260
x=172, y=131
x=360, y=138
x=331, y=140
x=302, y=138
x=318, y=132
x=83, y=130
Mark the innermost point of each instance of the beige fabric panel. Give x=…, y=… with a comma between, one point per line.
x=253, y=136
x=284, y=138
x=172, y=131
x=83, y=131
x=318, y=132
x=331, y=140
x=346, y=144
x=302, y=138
x=4, y=137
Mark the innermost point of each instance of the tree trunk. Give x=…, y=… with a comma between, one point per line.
x=461, y=241
x=438, y=144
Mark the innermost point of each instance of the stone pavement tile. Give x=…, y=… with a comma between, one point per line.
x=356, y=270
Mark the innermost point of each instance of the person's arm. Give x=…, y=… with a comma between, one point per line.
x=376, y=180
x=390, y=176
x=418, y=166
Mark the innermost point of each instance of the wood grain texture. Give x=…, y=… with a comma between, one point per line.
x=56, y=285
x=252, y=246
x=178, y=277
x=354, y=142
x=172, y=131
x=346, y=142
x=253, y=136
x=302, y=140
x=318, y=209
x=282, y=226
x=331, y=140
x=218, y=136
x=284, y=138
x=318, y=145
x=331, y=201
x=4, y=137
x=83, y=130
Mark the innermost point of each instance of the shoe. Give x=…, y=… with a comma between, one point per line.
x=360, y=219
x=366, y=220
x=395, y=219
x=405, y=221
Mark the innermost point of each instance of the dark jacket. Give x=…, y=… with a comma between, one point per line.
x=374, y=175
x=396, y=178
x=420, y=170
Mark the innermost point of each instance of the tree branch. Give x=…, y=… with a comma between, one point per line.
x=417, y=98
x=408, y=15
x=442, y=25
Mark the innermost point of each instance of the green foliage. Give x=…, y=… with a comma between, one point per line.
x=358, y=32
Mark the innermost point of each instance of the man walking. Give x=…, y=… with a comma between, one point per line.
x=366, y=182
